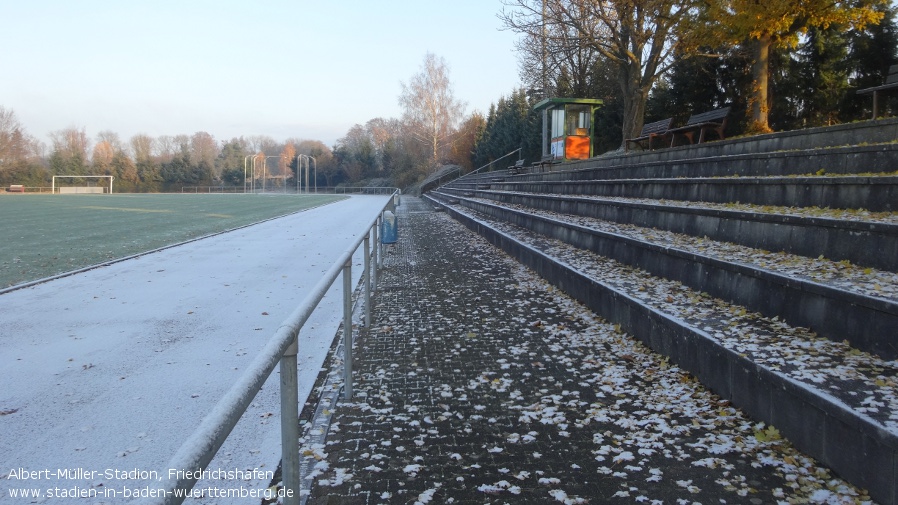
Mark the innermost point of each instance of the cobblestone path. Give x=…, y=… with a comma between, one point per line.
x=480, y=383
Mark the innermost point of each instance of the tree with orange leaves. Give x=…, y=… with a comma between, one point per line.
x=769, y=23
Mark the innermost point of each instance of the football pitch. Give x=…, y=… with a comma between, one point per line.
x=46, y=235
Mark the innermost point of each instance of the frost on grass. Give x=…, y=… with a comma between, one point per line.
x=548, y=402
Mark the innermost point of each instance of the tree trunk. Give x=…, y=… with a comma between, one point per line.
x=634, y=99
x=758, y=103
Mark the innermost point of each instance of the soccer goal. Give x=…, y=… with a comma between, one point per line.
x=81, y=184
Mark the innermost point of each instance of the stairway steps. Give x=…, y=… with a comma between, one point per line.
x=673, y=246
x=835, y=402
x=877, y=158
x=873, y=193
x=838, y=301
x=857, y=237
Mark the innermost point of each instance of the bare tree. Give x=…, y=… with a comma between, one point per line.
x=101, y=159
x=111, y=138
x=638, y=36
x=108, y=144
x=203, y=148
x=15, y=145
x=165, y=147
x=262, y=143
x=431, y=112
x=556, y=60
x=142, y=146
x=70, y=148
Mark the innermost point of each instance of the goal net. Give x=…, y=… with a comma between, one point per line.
x=82, y=184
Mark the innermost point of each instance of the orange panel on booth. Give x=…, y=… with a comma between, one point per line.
x=567, y=127
x=577, y=147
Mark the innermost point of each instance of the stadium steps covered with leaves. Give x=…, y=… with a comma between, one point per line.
x=767, y=267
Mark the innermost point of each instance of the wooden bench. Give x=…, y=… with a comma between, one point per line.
x=713, y=120
x=545, y=162
x=517, y=168
x=650, y=132
x=890, y=87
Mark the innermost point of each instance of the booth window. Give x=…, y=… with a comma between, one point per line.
x=557, y=123
x=578, y=120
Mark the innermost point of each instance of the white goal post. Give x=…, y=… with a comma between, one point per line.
x=82, y=189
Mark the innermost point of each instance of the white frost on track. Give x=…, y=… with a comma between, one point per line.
x=115, y=367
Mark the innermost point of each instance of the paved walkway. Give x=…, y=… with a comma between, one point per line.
x=480, y=383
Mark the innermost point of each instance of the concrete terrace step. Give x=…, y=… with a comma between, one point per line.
x=873, y=193
x=837, y=301
x=868, y=146
x=863, y=133
x=863, y=240
x=837, y=403
x=879, y=158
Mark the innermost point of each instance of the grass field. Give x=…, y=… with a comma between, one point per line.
x=45, y=235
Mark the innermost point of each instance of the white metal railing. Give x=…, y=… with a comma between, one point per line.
x=336, y=190
x=199, y=449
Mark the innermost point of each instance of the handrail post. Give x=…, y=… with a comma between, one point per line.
x=290, y=424
x=347, y=330
x=379, y=245
x=376, y=256
x=367, y=276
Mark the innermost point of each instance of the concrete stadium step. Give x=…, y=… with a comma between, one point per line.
x=873, y=193
x=861, y=134
x=855, y=236
x=835, y=402
x=867, y=159
x=867, y=147
x=839, y=301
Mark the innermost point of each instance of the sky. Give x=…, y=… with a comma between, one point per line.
x=308, y=69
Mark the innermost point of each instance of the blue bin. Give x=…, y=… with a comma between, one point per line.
x=389, y=233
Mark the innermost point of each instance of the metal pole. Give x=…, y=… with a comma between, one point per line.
x=253, y=182
x=374, y=251
x=380, y=245
x=367, y=276
x=290, y=424
x=245, y=159
x=298, y=171
x=315, y=162
x=307, y=174
x=347, y=330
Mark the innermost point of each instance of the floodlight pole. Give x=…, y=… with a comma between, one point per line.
x=315, y=162
x=245, y=159
x=299, y=158
x=253, y=184
x=265, y=169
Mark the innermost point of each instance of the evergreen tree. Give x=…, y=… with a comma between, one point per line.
x=871, y=52
x=822, y=73
x=699, y=84
x=511, y=124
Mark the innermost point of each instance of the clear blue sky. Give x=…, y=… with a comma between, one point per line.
x=285, y=68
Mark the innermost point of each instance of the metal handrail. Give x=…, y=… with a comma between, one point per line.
x=495, y=160
x=439, y=180
x=199, y=449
